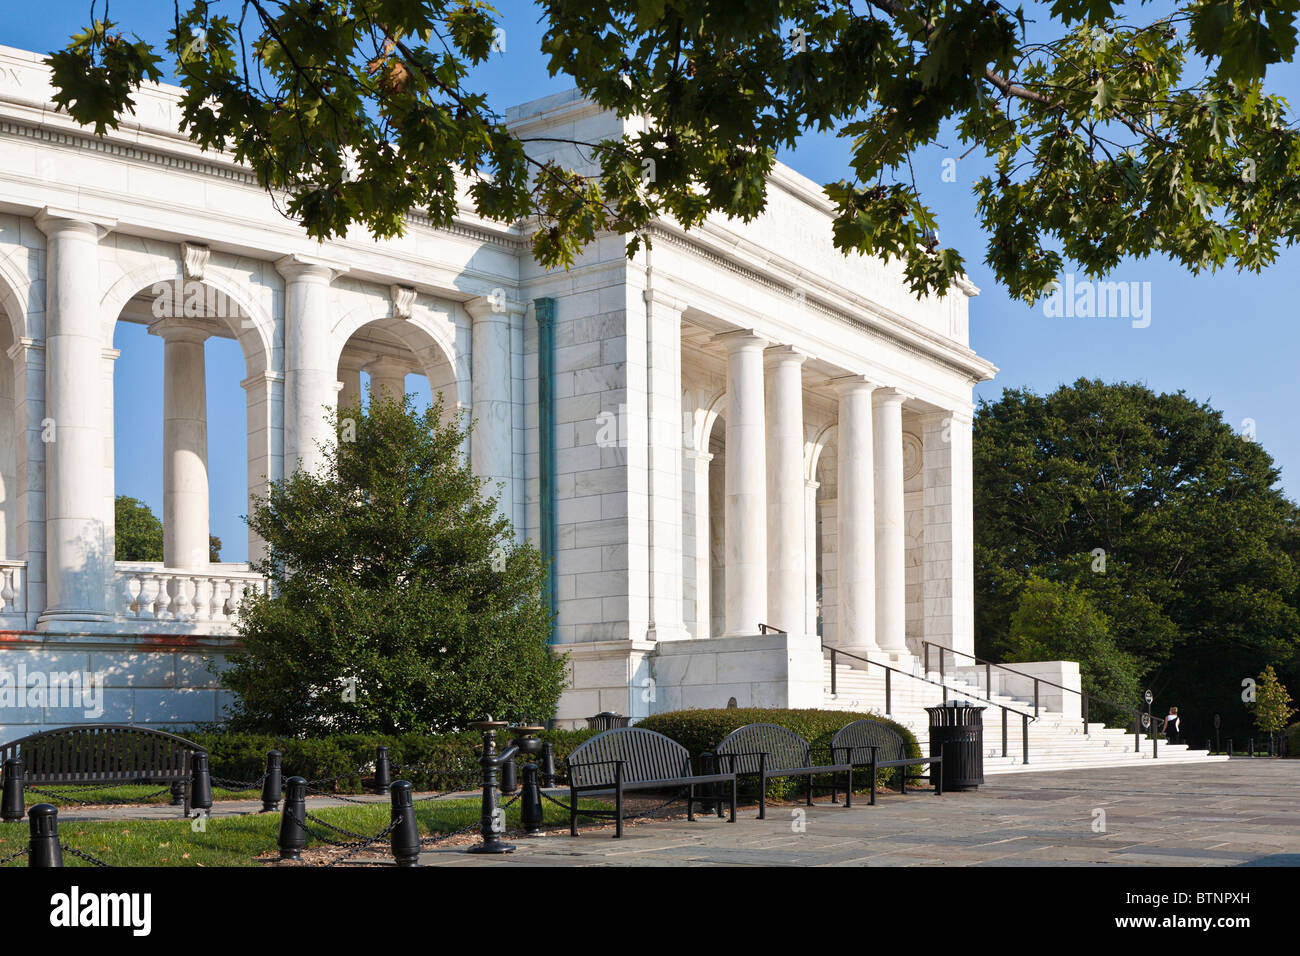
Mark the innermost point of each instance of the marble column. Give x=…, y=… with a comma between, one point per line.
x=746, y=484
x=856, y=520
x=948, y=589
x=310, y=376
x=79, y=566
x=491, y=451
x=663, y=411
x=891, y=541
x=696, y=475
x=349, y=382
x=185, y=444
x=810, y=557
x=786, y=499
x=387, y=378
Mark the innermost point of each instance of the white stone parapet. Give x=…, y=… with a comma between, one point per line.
x=13, y=589
x=201, y=601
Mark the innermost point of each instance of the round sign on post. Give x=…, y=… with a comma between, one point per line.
x=1146, y=720
x=1148, y=696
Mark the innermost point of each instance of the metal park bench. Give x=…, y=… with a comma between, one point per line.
x=629, y=758
x=769, y=751
x=869, y=743
x=103, y=755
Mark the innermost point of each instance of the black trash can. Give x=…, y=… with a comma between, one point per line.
x=957, y=734
x=606, y=720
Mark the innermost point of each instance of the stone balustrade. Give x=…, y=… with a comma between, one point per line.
x=13, y=588
x=200, y=602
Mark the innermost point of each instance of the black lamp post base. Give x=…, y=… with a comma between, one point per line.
x=492, y=848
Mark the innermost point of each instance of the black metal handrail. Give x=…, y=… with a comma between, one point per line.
x=1084, y=699
x=1024, y=717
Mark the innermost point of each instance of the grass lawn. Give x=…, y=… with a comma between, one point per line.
x=238, y=841
x=128, y=793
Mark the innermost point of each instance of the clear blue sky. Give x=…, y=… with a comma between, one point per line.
x=1225, y=338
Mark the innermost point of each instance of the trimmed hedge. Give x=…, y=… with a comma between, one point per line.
x=702, y=730
x=429, y=761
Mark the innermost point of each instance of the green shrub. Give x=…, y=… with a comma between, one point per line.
x=702, y=730
x=429, y=761
x=1293, y=740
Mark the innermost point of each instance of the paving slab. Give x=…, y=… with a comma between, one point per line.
x=1232, y=813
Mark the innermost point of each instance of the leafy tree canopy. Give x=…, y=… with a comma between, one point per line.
x=1110, y=130
x=1155, y=509
x=1055, y=621
x=400, y=601
x=137, y=532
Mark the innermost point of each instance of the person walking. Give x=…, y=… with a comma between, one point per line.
x=1172, y=727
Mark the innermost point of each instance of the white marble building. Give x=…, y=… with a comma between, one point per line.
x=738, y=427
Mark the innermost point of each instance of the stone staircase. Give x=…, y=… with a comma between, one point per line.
x=1056, y=742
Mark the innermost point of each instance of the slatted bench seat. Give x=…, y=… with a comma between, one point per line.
x=96, y=754
x=869, y=743
x=769, y=751
x=629, y=758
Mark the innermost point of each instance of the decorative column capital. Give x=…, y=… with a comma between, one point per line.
x=28, y=349
x=852, y=383
x=53, y=220
x=888, y=395
x=262, y=381
x=296, y=266
x=387, y=364
x=657, y=297
x=493, y=306
x=351, y=361
x=176, y=329
x=784, y=355
x=738, y=339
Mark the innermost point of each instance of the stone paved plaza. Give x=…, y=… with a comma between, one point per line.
x=1237, y=813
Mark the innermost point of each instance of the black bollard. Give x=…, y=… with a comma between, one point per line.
x=44, y=849
x=12, y=809
x=405, y=838
x=178, y=793
x=293, y=820
x=383, y=771
x=1252, y=747
x=1230, y=747
x=200, y=782
x=530, y=801
x=491, y=821
x=272, y=783
x=706, y=768
x=509, y=776
x=548, y=765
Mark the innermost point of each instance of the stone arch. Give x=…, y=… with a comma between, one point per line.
x=824, y=436
x=254, y=332
x=252, y=327
x=15, y=297
x=714, y=408
x=430, y=341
